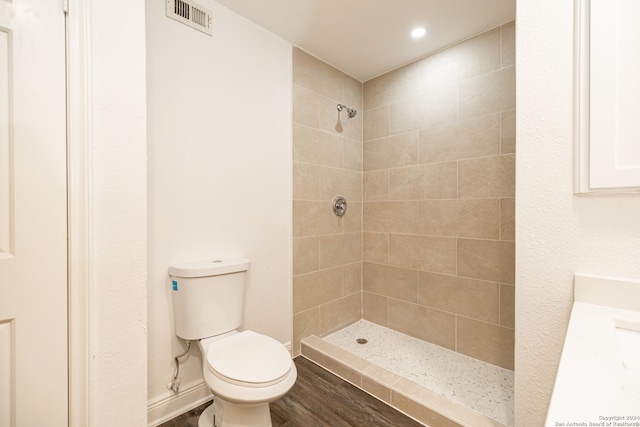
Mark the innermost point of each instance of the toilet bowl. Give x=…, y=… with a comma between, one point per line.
x=245, y=372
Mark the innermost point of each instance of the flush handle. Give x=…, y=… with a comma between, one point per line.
x=339, y=206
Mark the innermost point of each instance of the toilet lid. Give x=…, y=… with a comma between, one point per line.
x=249, y=357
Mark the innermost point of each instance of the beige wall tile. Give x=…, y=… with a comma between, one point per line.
x=352, y=220
x=340, y=249
x=311, y=73
x=352, y=92
x=376, y=92
x=388, y=88
x=305, y=324
x=376, y=185
x=354, y=126
x=311, y=218
x=352, y=278
x=475, y=137
x=488, y=93
x=485, y=341
x=476, y=56
x=434, y=326
x=392, y=152
x=375, y=247
x=441, y=68
x=306, y=254
x=337, y=122
x=507, y=306
x=468, y=297
x=376, y=123
x=328, y=161
x=508, y=132
x=472, y=218
x=487, y=177
x=394, y=282
x=306, y=181
x=346, y=183
x=313, y=289
x=352, y=154
x=316, y=147
x=472, y=57
x=375, y=308
x=306, y=107
x=393, y=217
x=509, y=44
x=340, y=313
x=433, y=107
x=431, y=181
x=426, y=253
x=507, y=219
x=487, y=260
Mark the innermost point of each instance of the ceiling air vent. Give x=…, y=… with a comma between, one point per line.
x=191, y=14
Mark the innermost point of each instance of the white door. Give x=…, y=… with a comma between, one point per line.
x=33, y=219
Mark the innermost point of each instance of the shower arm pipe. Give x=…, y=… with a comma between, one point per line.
x=351, y=112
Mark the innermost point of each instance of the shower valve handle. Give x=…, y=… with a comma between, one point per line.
x=339, y=206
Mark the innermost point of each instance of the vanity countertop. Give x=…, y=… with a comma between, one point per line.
x=598, y=380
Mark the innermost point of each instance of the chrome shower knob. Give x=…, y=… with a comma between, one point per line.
x=339, y=206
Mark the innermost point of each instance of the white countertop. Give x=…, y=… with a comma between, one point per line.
x=598, y=381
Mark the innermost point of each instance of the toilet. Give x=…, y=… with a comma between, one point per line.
x=245, y=370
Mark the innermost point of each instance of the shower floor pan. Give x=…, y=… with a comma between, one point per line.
x=436, y=386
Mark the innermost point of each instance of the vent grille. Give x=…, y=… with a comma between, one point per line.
x=191, y=14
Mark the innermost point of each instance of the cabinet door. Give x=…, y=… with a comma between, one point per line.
x=609, y=93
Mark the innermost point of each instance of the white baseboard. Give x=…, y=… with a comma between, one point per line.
x=165, y=408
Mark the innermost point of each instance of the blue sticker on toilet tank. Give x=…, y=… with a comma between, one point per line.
x=175, y=285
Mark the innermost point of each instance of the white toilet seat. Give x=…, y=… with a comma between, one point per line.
x=248, y=368
x=249, y=359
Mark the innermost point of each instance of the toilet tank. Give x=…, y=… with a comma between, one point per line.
x=208, y=296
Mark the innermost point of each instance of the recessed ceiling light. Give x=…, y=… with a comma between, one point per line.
x=418, y=32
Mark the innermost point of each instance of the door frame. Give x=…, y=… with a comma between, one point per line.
x=78, y=61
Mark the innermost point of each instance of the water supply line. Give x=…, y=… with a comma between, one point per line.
x=174, y=385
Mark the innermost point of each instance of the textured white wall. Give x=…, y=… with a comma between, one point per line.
x=118, y=194
x=557, y=233
x=219, y=176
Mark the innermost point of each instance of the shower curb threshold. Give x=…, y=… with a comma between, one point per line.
x=402, y=394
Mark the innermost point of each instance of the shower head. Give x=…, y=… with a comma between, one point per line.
x=351, y=112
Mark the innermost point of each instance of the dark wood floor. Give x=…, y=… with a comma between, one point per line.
x=320, y=399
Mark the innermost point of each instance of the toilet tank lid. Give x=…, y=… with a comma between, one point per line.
x=209, y=267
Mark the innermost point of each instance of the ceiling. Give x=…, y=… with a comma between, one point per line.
x=367, y=38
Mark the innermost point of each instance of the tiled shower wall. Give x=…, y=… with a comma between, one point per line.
x=427, y=245
x=438, y=215
x=327, y=161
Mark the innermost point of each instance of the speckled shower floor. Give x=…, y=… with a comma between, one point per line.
x=470, y=382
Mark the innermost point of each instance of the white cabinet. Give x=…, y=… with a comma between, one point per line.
x=607, y=127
